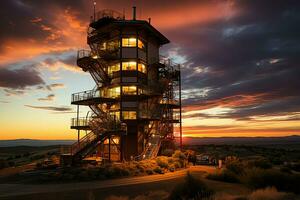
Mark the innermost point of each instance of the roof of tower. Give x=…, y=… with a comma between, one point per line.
x=108, y=17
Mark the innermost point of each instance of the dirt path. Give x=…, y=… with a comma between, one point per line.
x=82, y=190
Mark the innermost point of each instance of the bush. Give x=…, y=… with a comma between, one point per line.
x=116, y=171
x=259, y=178
x=149, y=171
x=225, y=176
x=162, y=161
x=167, y=152
x=192, y=188
x=260, y=163
x=158, y=170
x=235, y=166
x=3, y=164
x=269, y=193
x=172, y=168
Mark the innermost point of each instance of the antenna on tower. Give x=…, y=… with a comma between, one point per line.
x=94, y=10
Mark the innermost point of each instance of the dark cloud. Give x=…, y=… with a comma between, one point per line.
x=33, y=16
x=251, y=54
x=50, y=87
x=20, y=78
x=49, y=97
x=13, y=92
x=51, y=108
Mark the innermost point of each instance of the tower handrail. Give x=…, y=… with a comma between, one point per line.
x=81, y=53
x=82, y=121
x=83, y=142
x=85, y=95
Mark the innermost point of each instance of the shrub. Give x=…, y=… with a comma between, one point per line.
x=260, y=178
x=172, y=168
x=178, y=154
x=235, y=166
x=225, y=176
x=260, y=163
x=149, y=171
x=191, y=188
x=269, y=193
x=158, y=170
x=162, y=161
x=167, y=152
x=116, y=171
x=3, y=164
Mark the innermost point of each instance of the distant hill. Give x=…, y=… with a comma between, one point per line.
x=37, y=143
x=294, y=139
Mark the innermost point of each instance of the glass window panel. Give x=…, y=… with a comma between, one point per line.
x=114, y=92
x=129, y=114
x=141, y=44
x=128, y=65
x=129, y=42
x=129, y=90
x=142, y=67
x=113, y=68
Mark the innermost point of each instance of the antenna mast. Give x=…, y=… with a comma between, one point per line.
x=94, y=10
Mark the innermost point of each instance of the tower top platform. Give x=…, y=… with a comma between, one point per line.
x=106, y=17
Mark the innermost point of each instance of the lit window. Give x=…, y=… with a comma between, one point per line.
x=128, y=42
x=113, y=140
x=128, y=65
x=141, y=44
x=129, y=90
x=129, y=114
x=113, y=68
x=114, y=92
x=131, y=42
x=142, y=67
x=115, y=115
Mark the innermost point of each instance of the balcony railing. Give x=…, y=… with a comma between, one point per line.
x=83, y=53
x=85, y=95
x=107, y=13
x=82, y=121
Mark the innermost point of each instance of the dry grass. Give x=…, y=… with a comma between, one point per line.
x=269, y=193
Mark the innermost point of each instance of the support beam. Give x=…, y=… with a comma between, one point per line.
x=180, y=114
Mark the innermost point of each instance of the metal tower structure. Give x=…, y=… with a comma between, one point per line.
x=136, y=102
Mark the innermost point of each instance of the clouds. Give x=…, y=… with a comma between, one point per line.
x=51, y=108
x=20, y=78
x=49, y=97
x=248, y=62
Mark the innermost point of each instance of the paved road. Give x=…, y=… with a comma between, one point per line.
x=14, y=190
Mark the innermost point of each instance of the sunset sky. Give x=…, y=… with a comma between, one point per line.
x=240, y=64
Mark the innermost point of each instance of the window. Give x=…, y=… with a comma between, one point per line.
x=141, y=44
x=131, y=42
x=129, y=114
x=128, y=65
x=142, y=67
x=115, y=115
x=113, y=140
x=129, y=90
x=113, y=68
x=114, y=92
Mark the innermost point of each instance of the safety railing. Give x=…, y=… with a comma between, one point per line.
x=82, y=121
x=83, y=142
x=85, y=95
x=107, y=13
x=83, y=53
